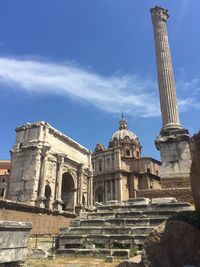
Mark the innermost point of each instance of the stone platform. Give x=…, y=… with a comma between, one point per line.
x=116, y=228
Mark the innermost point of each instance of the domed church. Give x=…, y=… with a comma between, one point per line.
x=119, y=170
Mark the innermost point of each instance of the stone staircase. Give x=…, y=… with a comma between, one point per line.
x=116, y=228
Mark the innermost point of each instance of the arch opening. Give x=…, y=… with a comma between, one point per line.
x=68, y=191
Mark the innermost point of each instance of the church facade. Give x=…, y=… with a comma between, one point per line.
x=120, y=171
x=49, y=169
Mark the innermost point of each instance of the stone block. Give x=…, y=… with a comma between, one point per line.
x=13, y=241
x=112, y=202
x=163, y=200
x=98, y=204
x=138, y=201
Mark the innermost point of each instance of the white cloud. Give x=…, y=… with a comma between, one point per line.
x=120, y=93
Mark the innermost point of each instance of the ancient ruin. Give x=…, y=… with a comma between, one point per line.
x=116, y=228
x=111, y=199
x=49, y=169
x=173, y=141
x=195, y=169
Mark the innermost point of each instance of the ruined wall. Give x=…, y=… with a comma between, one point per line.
x=44, y=222
x=181, y=194
x=175, y=182
x=195, y=169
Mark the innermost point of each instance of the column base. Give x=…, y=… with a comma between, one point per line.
x=58, y=205
x=78, y=208
x=40, y=202
x=175, y=157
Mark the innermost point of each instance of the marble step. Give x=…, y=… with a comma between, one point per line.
x=132, y=214
x=71, y=241
x=97, y=253
x=179, y=206
x=123, y=222
x=105, y=230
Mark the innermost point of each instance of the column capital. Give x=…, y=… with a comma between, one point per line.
x=159, y=14
x=60, y=158
x=45, y=151
x=80, y=167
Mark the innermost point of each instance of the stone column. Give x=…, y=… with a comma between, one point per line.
x=166, y=83
x=58, y=200
x=42, y=198
x=111, y=189
x=59, y=182
x=106, y=192
x=120, y=190
x=91, y=189
x=80, y=187
x=116, y=189
x=173, y=141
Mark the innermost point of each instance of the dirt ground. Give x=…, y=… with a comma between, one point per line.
x=71, y=262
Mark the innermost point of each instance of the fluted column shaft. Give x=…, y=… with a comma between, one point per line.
x=166, y=83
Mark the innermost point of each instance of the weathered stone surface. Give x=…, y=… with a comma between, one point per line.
x=138, y=201
x=181, y=194
x=173, y=141
x=13, y=241
x=163, y=200
x=172, y=244
x=117, y=226
x=195, y=169
x=49, y=169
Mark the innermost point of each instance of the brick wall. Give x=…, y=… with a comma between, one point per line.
x=181, y=194
x=175, y=182
x=44, y=222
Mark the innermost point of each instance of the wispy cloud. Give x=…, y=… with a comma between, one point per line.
x=128, y=93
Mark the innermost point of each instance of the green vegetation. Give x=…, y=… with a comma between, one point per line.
x=116, y=245
x=190, y=217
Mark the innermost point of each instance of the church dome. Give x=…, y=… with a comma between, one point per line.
x=127, y=141
x=123, y=132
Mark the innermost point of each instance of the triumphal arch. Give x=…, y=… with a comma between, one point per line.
x=49, y=169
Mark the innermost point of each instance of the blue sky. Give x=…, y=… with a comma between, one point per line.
x=78, y=64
